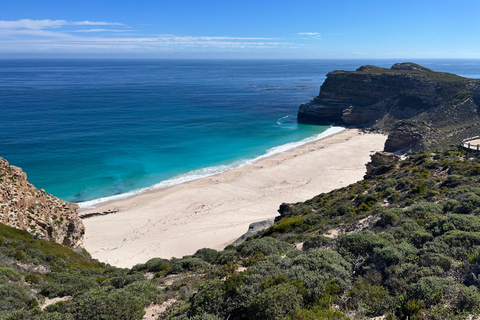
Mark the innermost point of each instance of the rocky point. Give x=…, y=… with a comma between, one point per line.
x=418, y=108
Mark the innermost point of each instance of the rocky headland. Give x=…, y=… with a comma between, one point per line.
x=24, y=207
x=417, y=107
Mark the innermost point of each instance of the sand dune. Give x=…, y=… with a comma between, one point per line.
x=214, y=211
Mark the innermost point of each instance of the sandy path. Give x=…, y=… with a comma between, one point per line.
x=213, y=211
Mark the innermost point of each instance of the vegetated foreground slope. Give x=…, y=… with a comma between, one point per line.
x=403, y=242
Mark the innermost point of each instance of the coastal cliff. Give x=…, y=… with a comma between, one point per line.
x=418, y=108
x=24, y=207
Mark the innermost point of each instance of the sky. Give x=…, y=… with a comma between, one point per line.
x=240, y=29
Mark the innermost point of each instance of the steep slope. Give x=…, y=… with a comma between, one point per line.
x=418, y=107
x=24, y=207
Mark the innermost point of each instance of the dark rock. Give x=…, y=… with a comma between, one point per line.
x=409, y=66
x=381, y=159
x=253, y=229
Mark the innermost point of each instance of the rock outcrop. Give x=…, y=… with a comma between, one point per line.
x=23, y=206
x=380, y=159
x=417, y=107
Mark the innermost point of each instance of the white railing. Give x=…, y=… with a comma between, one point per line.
x=466, y=143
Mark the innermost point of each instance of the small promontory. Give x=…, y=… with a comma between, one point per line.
x=24, y=207
x=417, y=107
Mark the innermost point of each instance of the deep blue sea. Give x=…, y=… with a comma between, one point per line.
x=89, y=129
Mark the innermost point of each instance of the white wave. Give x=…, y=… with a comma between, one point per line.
x=210, y=171
x=279, y=121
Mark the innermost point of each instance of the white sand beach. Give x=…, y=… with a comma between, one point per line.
x=214, y=211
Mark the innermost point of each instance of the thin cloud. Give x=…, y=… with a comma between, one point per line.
x=48, y=24
x=32, y=36
x=102, y=30
x=314, y=35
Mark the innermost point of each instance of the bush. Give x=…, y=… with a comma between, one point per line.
x=189, y=264
x=154, y=265
x=388, y=218
x=9, y=274
x=226, y=256
x=122, y=281
x=266, y=245
x=31, y=278
x=424, y=210
x=13, y=297
x=469, y=204
x=103, y=304
x=206, y=254
x=456, y=238
x=360, y=243
x=433, y=290
x=209, y=299
x=285, y=225
x=375, y=299
x=396, y=253
x=276, y=302
x=36, y=254
x=318, y=241
x=436, y=259
x=455, y=222
x=66, y=284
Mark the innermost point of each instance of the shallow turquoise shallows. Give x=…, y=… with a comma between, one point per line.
x=88, y=129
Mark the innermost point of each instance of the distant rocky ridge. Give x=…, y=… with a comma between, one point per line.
x=418, y=108
x=23, y=206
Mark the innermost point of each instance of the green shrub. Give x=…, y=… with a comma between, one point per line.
x=317, y=241
x=266, y=245
x=189, y=264
x=455, y=222
x=276, y=302
x=9, y=274
x=206, y=254
x=103, y=304
x=226, y=256
x=436, y=259
x=469, y=204
x=388, y=218
x=36, y=254
x=456, y=238
x=395, y=253
x=376, y=300
x=66, y=284
x=124, y=280
x=209, y=299
x=31, y=278
x=317, y=313
x=13, y=297
x=153, y=265
x=360, y=243
x=433, y=290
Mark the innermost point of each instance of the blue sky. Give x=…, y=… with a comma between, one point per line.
x=240, y=29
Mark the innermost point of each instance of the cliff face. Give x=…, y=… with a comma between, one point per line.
x=417, y=107
x=23, y=206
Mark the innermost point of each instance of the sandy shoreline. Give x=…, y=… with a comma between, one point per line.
x=213, y=211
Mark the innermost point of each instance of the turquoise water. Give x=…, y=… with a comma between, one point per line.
x=88, y=129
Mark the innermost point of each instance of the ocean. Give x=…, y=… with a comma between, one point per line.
x=87, y=130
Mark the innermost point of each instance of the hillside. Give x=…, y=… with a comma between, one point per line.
x=419, y=108
x=24, y=207
x=403, y=242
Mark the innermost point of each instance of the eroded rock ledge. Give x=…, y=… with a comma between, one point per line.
x=418, y=108
x=24, y=207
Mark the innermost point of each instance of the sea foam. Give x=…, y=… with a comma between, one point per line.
x=210, y=171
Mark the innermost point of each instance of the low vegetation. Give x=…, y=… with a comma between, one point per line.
x=403, y=243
